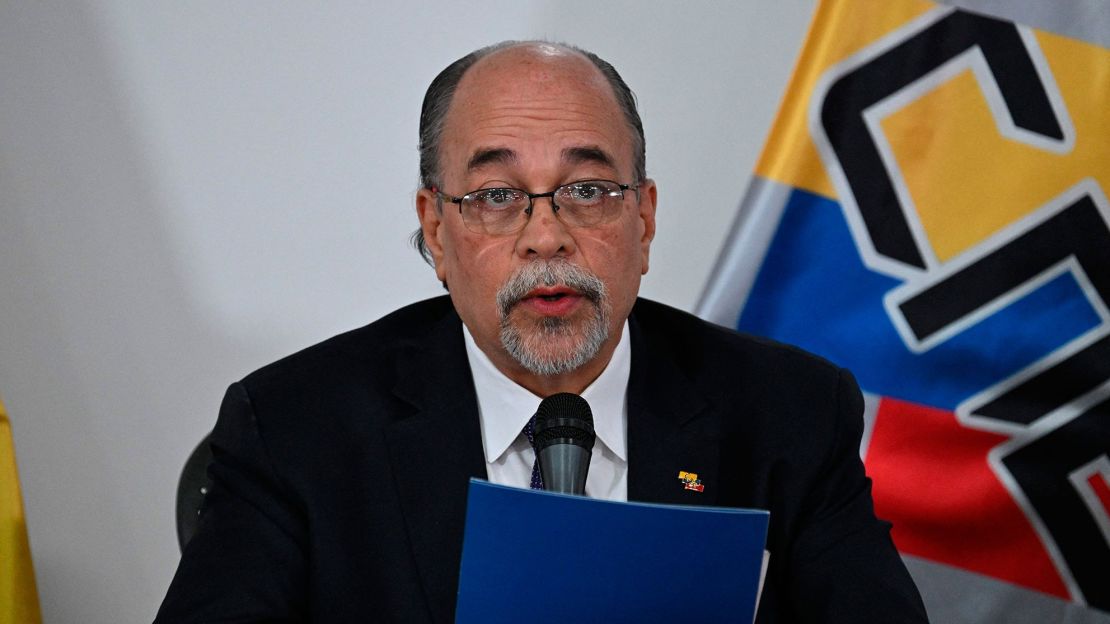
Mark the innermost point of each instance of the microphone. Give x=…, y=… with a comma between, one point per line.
x=564, y=439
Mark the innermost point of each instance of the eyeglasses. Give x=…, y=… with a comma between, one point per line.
x=499, y=211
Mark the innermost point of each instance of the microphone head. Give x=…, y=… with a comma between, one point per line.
x=564, y=418
x=564, y=439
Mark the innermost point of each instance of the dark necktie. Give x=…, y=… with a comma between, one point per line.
x=529, y=432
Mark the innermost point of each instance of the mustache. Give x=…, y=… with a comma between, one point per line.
x=548, y=273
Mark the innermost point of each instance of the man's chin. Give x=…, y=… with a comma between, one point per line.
x=552, y=345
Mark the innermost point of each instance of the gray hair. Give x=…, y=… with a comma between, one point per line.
x=437, y=101
x=537, y=350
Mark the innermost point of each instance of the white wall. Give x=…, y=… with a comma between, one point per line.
x=190, y=190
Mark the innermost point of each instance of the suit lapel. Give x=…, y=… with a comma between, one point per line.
x=438, y=448
x=434, y=452
x=670, y=427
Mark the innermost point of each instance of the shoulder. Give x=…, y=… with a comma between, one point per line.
x=333, y=396
x=364, y=355
x=704, y=347
x=773, y=391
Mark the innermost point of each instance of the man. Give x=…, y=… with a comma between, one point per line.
x=339, y=473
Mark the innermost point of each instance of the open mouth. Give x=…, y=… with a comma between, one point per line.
x=552, y=300
x=551, y=293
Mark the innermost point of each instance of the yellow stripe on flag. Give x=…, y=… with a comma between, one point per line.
x=967, y=180
x=19, y=601
x=838, y=30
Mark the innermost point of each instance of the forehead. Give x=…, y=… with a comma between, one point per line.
x=534, y=99
x=545, y=68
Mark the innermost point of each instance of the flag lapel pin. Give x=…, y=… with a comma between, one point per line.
x=690, y=481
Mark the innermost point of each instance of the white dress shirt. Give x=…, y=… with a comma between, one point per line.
x=505, y=407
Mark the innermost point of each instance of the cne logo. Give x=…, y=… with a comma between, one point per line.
x=1055, y=413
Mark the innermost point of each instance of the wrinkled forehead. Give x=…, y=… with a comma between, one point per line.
x=535, y=81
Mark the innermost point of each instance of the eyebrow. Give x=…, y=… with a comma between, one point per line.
x=572, y=155
x=588, y=154
x=491, y=156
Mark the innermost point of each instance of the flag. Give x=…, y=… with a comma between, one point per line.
x=19, y=602
x=931, y=212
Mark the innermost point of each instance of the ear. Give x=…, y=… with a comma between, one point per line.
x=648, y=197
x=429, y=211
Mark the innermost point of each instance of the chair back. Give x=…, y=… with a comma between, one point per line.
x=191, y=490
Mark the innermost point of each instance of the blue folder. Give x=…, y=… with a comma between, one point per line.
x=538, y=557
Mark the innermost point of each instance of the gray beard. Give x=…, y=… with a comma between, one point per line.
x=536, y=346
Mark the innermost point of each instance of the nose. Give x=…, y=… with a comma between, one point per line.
x=544, y=235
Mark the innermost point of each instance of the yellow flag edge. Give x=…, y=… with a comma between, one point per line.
x=19, y=602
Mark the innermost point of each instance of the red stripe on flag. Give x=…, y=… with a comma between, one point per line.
x=932, y=480
x=1101, y=489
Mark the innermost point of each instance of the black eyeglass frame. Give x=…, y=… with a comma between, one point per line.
x=633, y=186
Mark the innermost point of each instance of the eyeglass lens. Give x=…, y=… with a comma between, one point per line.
x=505, y=210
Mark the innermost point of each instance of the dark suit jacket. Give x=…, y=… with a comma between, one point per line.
x=340, y=473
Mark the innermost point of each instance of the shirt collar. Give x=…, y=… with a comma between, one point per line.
x=504, y=407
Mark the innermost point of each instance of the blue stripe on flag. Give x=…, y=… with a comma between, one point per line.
x=813, y=291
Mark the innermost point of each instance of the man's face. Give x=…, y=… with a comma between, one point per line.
x=534, y=118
